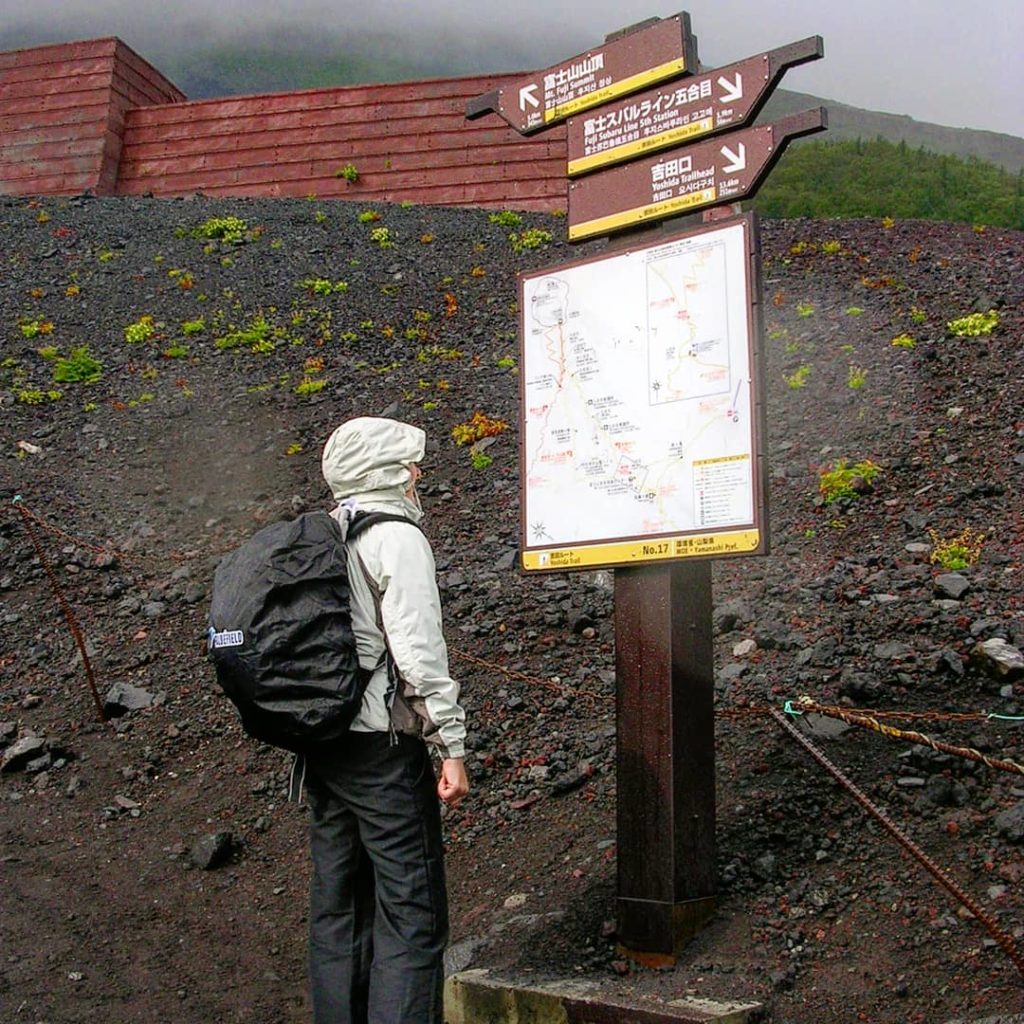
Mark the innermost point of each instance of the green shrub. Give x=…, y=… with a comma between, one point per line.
x=960, y=551
x=79, y=366
x=845, y=481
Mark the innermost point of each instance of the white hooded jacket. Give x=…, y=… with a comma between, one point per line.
x=366, y=463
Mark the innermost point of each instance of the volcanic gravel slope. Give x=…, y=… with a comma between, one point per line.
x=136, y=483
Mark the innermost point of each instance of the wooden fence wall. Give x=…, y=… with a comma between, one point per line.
x=62, y=111
x=94, y=115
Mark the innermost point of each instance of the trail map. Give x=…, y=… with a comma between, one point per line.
x=637, y=393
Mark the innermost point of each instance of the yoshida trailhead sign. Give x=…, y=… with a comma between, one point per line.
x=723, y=169
x=642, y=412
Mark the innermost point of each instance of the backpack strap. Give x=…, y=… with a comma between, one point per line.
x=357, y=523
x=363, y=520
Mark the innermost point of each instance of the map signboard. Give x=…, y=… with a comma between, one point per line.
x=684, y=179
x=628, y=62
x=727, y=98
x=641, y=404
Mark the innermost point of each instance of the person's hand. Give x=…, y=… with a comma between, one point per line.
x=453, y=784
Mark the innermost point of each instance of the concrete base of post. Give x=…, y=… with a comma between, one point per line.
x=477, y=997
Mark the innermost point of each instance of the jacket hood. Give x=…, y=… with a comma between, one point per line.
x=369, y=457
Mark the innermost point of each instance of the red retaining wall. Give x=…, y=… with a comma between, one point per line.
x=95, y=115
x=62, y=114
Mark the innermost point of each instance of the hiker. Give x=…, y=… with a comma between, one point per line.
x=378, y=904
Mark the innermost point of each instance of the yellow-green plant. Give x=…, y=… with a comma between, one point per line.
x=349, y=172
x=857, y=377
x=529, y=238
x=798, y=378
x=33, y=328
x=506, y=218
x=258, y=335
x=845, y=481
x=141, y=330
x=310, y=386
x=224, y=229
x=903, y=341
x=959, y=551
x=804, y=309
x=322, y=286
x=974, y=324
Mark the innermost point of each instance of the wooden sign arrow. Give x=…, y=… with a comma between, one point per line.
x=653, y=52
x=684, y=179
x=729, y=97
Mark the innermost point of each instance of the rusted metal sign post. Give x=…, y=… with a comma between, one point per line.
x=642, y=415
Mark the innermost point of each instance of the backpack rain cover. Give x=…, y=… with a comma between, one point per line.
x=280, y=633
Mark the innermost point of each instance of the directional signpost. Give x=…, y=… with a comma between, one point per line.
x=642, y=413
x=726, y=98
x=683, y=180
x=652, y=53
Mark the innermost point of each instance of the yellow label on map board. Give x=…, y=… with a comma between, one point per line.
x=629, y=552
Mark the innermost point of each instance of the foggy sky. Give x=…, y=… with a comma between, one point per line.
x=934, y=60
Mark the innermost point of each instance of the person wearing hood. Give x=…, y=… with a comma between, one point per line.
x=378, y=902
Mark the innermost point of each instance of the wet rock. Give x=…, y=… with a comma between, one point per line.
x=821, y=727
x=212, y=850
x=999, y=660
x=1010, y=824
x=951, y=585
x=893, y=650
x=731, y=614
x=123, y=697
x=21, y=754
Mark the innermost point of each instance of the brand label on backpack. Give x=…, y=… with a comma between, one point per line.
x=226, y=638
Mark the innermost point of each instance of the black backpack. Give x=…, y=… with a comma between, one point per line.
x=280, y=633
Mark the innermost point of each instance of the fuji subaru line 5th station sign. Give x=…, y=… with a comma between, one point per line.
x=642, y=411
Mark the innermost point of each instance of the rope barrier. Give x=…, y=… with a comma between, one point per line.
x=1004, y=940
x=864, y=721
x=69, y=615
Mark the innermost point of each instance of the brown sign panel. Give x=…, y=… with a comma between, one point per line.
x=625, y=64
x=685, y=179
x=729, y=97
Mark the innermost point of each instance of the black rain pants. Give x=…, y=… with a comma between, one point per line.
x=378, y=906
